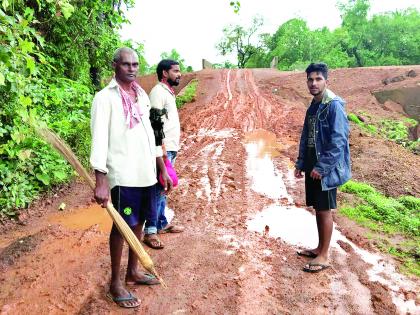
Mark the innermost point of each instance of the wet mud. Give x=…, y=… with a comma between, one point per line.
x=244, y=216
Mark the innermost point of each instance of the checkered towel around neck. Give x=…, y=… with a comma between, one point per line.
x=131, y=109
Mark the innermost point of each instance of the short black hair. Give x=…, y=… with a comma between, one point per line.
x=317, y=67
x=165, y=65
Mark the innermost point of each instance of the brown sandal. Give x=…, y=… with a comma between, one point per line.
x=153, y=241
x=172, y=229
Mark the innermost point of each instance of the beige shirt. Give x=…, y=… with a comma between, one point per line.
x=162, y=97
x=128, y=156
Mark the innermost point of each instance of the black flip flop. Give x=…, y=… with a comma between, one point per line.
x=120, y=300
x=307, y=253
x=307, y=267
x=149, y=279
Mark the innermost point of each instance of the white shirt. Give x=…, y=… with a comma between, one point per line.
x=128, y=156
x=162, y=97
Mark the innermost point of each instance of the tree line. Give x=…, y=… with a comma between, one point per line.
x=391, y=38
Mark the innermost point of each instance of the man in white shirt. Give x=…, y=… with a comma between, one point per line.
x=162, y=97
x=124, y=158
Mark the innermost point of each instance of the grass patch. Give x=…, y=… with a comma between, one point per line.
x=394, y=130
x=390, y=218
x=367, y=127
x=386, y=210
x=189, y=94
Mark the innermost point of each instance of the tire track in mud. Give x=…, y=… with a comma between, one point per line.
x=340, y=289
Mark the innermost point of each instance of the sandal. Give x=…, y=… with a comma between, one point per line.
x=153, y=241
x=148, y=279
x=321, y=267
x=122, y=301
x=172, y=229
x=307, y=253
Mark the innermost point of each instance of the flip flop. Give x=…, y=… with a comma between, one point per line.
x=149, y=279
x=153, y=242
x=172, y=229
x=308, y=267
x=120, y=300
x=307, y=253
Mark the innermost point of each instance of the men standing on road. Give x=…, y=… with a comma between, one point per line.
x=162, y=97
x=324, y=156
x=124, y=158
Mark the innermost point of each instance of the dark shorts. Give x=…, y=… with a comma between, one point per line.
x=134, y=203
x=318, y=199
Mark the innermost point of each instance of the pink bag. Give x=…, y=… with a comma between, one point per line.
x=171, y=172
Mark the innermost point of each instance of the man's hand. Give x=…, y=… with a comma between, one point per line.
x=167, y=182
x=101, y=192
x=298, y=173
x=164, y=153
x=315, y=174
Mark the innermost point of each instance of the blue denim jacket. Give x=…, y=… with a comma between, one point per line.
x=331, y=144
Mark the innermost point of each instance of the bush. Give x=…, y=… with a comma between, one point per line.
x=189, y=94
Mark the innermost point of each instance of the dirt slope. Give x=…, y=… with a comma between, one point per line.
x=59, y=264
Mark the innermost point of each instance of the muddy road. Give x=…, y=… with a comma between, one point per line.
x=241, y=207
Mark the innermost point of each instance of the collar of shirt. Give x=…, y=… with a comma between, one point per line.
x=168, y=87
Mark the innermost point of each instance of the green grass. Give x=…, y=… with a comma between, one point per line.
x=367, y=127
x=390, y=219
x=386, y=210
x=189, y=94
x=394, y=130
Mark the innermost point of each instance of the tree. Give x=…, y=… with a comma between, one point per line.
x=239, y=40
x=174, y=55
x=355, y=24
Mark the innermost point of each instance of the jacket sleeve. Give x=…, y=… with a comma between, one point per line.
x=100, y=122
x=339, y=131
x=302, y=145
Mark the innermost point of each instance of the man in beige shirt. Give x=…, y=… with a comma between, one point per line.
x=124, y=157
x=162, y=97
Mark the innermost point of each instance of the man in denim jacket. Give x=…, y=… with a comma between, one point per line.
x=324, y=156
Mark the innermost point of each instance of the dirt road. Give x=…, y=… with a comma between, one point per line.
x=240, y=205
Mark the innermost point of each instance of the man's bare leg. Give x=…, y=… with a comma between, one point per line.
x=133, y=274
x=116, y=288
x=325, y=226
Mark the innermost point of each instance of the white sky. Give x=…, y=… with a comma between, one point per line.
x=194, y=27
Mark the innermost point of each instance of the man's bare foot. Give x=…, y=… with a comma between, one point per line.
x=121, y=296
x=138, y=277
x=172, y=228
x=316, y=265
x=153, y=241
x=311, y=253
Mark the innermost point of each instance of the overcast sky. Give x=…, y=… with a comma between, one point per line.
x=194, y=27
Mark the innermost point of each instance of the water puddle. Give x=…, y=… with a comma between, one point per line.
x=261, y=147
x=84, y=218
x=297, y=227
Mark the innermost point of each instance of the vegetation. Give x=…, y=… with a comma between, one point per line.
x=239, y=40
x=368, y=127
x=388, y=215
x=188, y=95
x=53, y=56
x=394, y=130
x=385, y=39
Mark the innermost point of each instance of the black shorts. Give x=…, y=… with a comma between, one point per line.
x=134, y=203
x=317, y=198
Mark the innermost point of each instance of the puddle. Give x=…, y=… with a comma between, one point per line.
x=297, y=227
x=84, y=218
x=261, y=147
